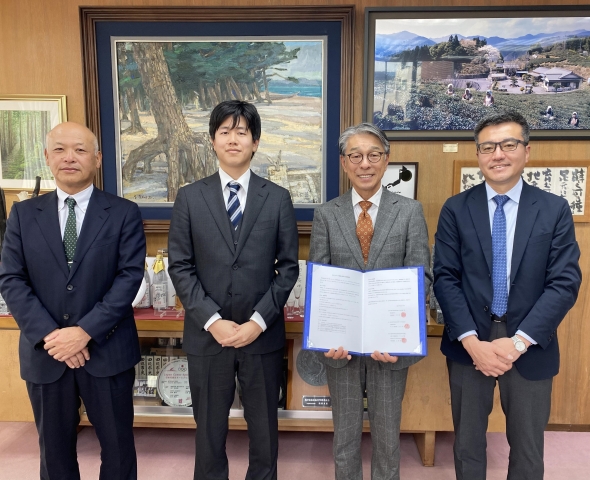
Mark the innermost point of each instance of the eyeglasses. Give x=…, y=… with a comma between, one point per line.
x=373, y=157
x=508, y=145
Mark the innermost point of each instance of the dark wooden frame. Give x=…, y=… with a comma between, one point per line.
x=458, y=166
x=374, y=13
x=90, y=16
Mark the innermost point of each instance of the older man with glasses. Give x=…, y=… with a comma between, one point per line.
x=505, y=274
x=368, y=228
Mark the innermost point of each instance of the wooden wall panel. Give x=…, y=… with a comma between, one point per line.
x=14, y=403
x=40, y=53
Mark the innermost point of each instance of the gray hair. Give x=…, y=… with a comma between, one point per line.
x=507, y=117
x=362, y=128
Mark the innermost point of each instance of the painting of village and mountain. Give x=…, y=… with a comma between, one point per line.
x=447, y=74
x=167, y=89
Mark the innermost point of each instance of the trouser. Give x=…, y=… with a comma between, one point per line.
x=526, y=404
x=109, y=405
x=212, y=382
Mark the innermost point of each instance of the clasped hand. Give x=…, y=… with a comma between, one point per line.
x=341, y=353
x=68, y=345
x=491, y=358
x=229, y=334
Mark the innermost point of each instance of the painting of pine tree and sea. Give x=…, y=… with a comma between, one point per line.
x=167, y=89
x=445, y=71
x=25, y=121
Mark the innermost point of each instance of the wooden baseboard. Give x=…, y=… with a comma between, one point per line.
x=567, y=427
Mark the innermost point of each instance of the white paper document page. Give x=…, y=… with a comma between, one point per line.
x=379, y=310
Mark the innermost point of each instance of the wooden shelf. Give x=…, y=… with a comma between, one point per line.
x=423, y=415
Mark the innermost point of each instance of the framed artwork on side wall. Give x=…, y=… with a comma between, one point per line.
x=568, y=180
x=25, y=121
x=402, y=178
x=433, y=73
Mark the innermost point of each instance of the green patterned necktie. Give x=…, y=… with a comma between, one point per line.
x=70, y=234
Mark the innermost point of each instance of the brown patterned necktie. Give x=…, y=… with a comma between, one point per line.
x=364, y=229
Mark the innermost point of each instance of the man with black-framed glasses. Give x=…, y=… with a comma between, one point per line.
x=368, y=228
x=505, y=274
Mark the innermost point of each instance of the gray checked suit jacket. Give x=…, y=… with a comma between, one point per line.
x=400, y=239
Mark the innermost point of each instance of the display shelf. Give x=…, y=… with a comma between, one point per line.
x=422, y=415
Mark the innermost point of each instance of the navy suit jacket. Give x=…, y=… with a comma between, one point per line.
x=96, y=294
x=212, y=274
x=544, y=279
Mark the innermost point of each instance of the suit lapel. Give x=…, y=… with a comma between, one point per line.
x=257, y=195
x=213, y=196
x=525, y=220
x=346, y=221
x=94, y=218
x=386, y=215
x=48, y=222
x=478, y=208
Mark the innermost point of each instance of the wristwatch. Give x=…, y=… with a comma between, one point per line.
x=518, y=344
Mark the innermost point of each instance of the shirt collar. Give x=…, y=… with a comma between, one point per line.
x=82, y=198
x=513, y=193
x=244, y=180
x=375, y=199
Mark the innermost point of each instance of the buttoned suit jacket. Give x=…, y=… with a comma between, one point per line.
x=544, y=276
x=212, y=274
x=400, y=239
x=42, y=294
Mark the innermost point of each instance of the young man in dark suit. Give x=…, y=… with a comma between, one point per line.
x=505, y=274
x=232, y=249
x=72, y=262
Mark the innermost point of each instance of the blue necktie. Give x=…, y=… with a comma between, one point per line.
x=499, y=280
x=233, y=205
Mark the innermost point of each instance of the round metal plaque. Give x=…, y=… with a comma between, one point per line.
x=173, y=385
x=311, y=369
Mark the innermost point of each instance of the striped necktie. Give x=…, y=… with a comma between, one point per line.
x=70, y=233
x=233, y=205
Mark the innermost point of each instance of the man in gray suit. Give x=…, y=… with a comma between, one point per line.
x=233, y=248
x=343, y=235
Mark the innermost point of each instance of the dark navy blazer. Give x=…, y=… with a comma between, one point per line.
x=96, y=294
x=544, y=280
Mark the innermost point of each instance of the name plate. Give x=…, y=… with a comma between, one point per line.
x=315, y=401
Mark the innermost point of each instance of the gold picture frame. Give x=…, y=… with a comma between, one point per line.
x=25, y=119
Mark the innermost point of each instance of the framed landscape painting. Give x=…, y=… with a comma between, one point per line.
x=433, y=74
x=25, y=120
x=154, y=74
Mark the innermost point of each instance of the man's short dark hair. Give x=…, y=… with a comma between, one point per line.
x=506, y=117
x=235, y=109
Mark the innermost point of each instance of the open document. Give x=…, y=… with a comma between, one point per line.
x=381, y=310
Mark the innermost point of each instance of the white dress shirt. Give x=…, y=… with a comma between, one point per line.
x=373, y=209
x=244, y=181
x=82, y=198
x=510, y=212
